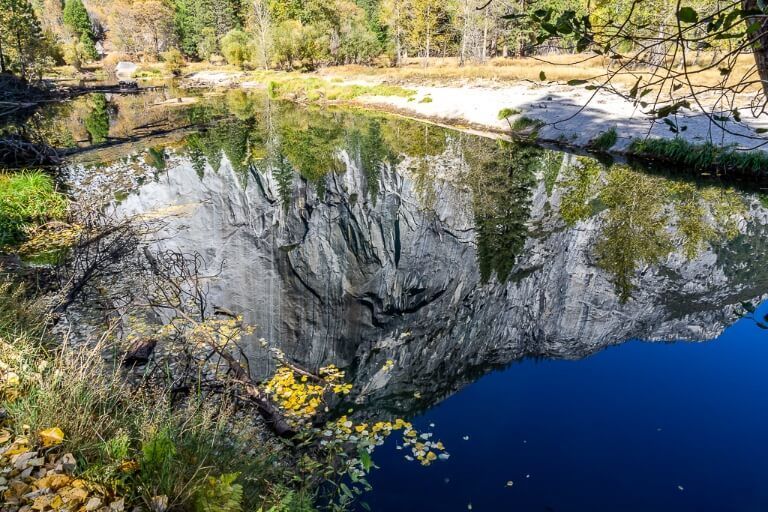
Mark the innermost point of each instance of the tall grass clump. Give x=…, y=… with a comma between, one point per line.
x=27, y=199
x=131, y=440
x=604, y=141
x=703, y=157
x=526, y=123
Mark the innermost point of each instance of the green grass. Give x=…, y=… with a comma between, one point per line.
x=317, y=89
x=702, y=157
x=526, y=123
x=27, y=199
x=508, y=112
x=604, y=141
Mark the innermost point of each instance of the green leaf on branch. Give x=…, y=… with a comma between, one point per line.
x=687, y=15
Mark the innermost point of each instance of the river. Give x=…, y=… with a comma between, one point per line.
x=581, y=335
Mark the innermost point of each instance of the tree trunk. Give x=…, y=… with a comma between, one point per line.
x=2, y=58
x=398, y=37
x=22, y=57
x=485, y=36
x=760, y=48
x=464, y=29
x=429, y=35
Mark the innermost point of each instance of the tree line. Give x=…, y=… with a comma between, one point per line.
x=284, y=34
x=304, y=34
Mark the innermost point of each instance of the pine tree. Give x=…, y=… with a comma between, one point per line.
x=77, y=19
x=20, y=35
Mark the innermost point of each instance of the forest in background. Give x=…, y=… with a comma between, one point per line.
x=291, y=34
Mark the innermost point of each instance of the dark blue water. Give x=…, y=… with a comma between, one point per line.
x=638, y=427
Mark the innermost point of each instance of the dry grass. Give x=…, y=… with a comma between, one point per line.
x=559, y=68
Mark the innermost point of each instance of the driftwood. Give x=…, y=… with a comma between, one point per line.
x=173, y=300
x=17, y=151
x=267, y=409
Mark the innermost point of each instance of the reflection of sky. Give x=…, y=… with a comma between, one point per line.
x=616, y=432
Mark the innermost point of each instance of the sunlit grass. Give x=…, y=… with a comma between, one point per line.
x=27, y=199
x=318, y=89
x=556, y=68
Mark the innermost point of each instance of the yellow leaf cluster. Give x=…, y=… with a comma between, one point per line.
x=299, y=398
x=35, y=481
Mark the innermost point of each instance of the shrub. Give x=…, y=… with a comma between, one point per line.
x=208, y=44
x=237, y=48
x=72, y=56
x=525, y=123
x=109, y=63
x=507, y=112
x=702, y=157
x=174, y=62
x=296, y=43
x=128, y=441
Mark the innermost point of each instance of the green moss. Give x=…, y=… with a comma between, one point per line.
x=27, y=199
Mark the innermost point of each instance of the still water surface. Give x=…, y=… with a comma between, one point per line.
x=508, y=286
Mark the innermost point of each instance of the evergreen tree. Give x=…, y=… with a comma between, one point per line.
x=77, y=19
x=200, y=24
x=20, y=36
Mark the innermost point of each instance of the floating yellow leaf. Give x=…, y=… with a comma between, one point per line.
x=51, y=436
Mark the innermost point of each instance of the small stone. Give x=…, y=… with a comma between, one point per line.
x=92, y=504
x=68, y=462
x=159, y=503
x=22, y=460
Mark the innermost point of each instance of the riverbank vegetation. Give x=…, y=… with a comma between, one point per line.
x=120, y=445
